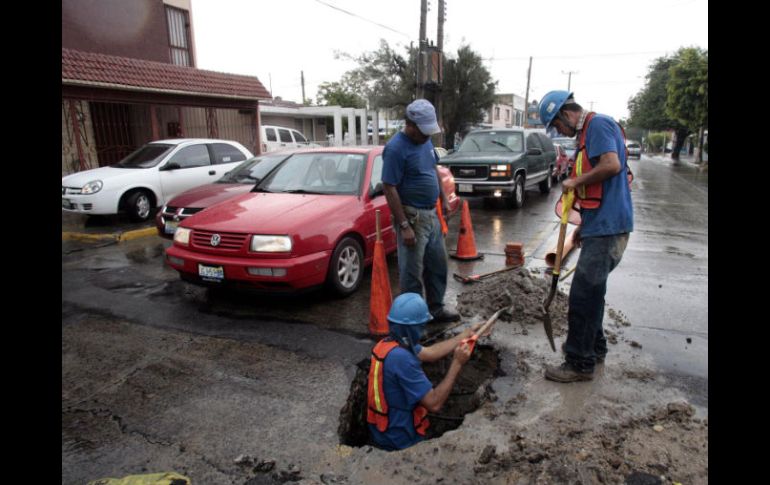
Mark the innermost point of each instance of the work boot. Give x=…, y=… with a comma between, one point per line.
x=599, y=358
x=445, y=315
x=566, y=373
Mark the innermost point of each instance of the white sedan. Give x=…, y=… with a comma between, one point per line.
x=150, y=176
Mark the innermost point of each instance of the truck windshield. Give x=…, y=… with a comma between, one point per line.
x=493, y=141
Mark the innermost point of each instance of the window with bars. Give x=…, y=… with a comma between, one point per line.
x=179, y=36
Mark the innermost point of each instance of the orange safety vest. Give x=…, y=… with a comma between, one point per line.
x=590, y=196
x=377, y=410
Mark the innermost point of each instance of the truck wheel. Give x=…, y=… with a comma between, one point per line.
x=516, y=201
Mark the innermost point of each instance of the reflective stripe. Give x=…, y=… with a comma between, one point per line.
x=377, y=365
x=579, y=172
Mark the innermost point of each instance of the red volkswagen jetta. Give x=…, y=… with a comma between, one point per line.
x=310, y=221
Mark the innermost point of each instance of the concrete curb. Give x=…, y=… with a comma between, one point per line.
x=119, y=237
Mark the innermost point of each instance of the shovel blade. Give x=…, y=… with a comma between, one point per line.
x=548, y=329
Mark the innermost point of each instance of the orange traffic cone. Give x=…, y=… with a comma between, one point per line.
x=466, y=243
x=440, y=213
x=381, y=296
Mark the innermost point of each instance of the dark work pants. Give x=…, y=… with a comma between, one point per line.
x=585, y=337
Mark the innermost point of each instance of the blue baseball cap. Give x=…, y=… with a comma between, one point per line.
x=424, y=116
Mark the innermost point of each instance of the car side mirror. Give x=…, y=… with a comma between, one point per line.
x=377, y=190
x=534, y=151
x=171, y=166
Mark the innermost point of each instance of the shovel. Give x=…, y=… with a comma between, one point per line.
x=566, y=205
x=479, y=277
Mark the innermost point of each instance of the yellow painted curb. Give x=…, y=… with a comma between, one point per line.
x=125, y=236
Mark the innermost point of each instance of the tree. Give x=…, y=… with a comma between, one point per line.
x=337, y=94
x=468, y=91
x=648, y=108
x=687, y=90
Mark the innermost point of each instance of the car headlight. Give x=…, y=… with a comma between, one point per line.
x=500, y=167
x=182, y=236
x=92, y=187
x=271, y=244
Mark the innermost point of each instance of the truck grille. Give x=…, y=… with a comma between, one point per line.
x=467, y=172
x=227, y=242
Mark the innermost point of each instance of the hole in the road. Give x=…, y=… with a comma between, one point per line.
x=469, y=392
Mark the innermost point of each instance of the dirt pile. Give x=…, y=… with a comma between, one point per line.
x=484, y=298
x=667, y=443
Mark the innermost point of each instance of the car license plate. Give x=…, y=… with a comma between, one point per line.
x=466, y=188
x=211, y=273
x=171, y=227
x=66, y=204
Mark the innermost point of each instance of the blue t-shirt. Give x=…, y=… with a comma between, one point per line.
x=615, y=215
x=411, y=168
x=405, y=384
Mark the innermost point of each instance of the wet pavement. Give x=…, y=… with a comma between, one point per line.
x=160, y=374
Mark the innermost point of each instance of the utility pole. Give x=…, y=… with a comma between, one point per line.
x=421, y=49
x=302, y=77
x=569, y=79
x=439, y=87
x=526, y=95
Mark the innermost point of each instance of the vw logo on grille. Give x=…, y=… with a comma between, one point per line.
x=215, y=239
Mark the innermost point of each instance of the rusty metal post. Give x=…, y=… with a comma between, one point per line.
x=154, y=123
x=180, y=134
x=76, y=130
x=257, y=130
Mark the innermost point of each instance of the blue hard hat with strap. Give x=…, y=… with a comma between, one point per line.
x=551, y=104
x=408, y=316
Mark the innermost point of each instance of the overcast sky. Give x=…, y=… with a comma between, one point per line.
x=608, y=44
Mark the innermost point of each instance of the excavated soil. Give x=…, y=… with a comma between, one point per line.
x=484, y=298
x=667, y=445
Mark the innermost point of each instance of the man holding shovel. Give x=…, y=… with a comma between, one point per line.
x=603, y=197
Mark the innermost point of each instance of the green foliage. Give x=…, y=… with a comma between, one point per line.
x=655, y=140
x=648, y=108
x=337, y=94
x=687, y=89
x=468, y=91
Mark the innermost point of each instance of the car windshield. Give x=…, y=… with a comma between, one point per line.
x=317, y=173
x=567, y=143
x=146, y=156
x=633, y=145
x=252, y=170
x=493, y=141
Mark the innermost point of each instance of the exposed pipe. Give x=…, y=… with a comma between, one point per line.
x=569, y=243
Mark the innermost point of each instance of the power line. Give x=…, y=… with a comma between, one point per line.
x=362, y=18
x=617, y=54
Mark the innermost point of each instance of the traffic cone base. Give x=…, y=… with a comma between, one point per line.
x=466, y=242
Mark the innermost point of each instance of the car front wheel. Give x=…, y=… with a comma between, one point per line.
x=346, y=268
x=139, y=206
x=517, y=197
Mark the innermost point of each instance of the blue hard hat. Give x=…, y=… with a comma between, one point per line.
x=551, y=104
x=409, y=309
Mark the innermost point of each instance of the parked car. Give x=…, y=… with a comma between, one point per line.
x=281, y=138
x=503, y=163
x=569, y=145
x=441, y=151
x=634, y=149
x=239, y=180
x=150, y=176
x=310, y=222
x=563, y=164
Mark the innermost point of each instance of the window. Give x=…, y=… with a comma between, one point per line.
x=298, y=137
x=492, y=141
x=507, y=115
x=533, y=141
x=271, y=136
x=376, y=172
x=179, y=36
x=285, y=135
x=192, y=156
x=224, y=153
x=497, y=112
x=545, y=142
